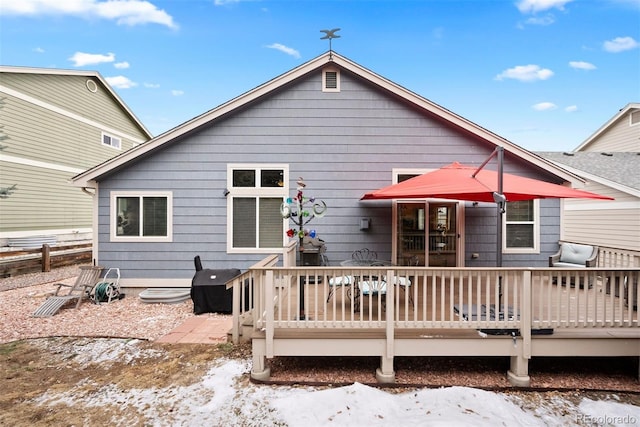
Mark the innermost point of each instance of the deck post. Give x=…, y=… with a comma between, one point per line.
x=261, y=348
x=526, y=313
x=259, y=371
x=518, y=374
x=385, y=374
x=269, y=314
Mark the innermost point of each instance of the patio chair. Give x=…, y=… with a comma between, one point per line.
x=374, y=286
x=404, y=282
x=338, y=281
x=359, y=257
x=81, y=289
x=364, y=256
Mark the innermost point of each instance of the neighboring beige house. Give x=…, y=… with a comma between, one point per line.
x=610, y=162
x=55, y=124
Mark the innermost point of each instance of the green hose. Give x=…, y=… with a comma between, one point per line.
x=101, y=292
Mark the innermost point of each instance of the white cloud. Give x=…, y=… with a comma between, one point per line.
x=223, y=2
x=176, y=92
x=124, y=12
x=285, y=49
x=38, y=50
x=120, y=82
x=544, y=106
x=151, y=85
x=571, y=108
x=525, y=73
x=80, y=59
x=620, y=44
x=121, y=65
x=543, y=21
x=581, y=65
x=534, y=6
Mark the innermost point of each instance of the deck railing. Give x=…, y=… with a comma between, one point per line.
x=509, y=300
x=617, y=258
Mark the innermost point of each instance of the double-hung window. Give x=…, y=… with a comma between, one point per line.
x=141, y=217
x=522, y=227
x=254, y=221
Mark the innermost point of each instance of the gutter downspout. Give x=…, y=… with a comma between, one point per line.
x=94, y=220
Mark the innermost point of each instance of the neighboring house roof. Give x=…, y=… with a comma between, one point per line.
x=328, y=59
x=594, y=137
x=86, y=73
x=618, y=170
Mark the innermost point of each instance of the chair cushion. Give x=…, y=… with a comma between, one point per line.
x=341, y=281
x=574, y=253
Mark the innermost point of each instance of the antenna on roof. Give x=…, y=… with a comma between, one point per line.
x=330, y=34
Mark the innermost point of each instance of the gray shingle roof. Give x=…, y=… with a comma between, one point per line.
x=619, y=167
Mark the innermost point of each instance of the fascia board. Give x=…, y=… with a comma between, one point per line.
x=623, y=112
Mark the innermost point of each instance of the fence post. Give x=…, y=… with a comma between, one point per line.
x=46, y=258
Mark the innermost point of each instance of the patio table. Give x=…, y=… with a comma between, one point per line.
x=356, y=280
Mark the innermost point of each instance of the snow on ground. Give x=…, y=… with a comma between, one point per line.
x=224, y=398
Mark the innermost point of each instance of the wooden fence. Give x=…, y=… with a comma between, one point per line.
x=14, y=263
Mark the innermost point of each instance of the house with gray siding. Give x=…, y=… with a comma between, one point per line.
x=609, y=161
x=55, y=124
x=214, y=185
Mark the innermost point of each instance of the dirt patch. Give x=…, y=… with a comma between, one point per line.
x=89, y=368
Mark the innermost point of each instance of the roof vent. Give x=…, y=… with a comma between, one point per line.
x=330, y=80
x=607, y=154
x=566, y=153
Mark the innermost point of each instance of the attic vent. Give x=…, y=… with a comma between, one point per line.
x=91, y=86
x=635, y=117
x=330, y=81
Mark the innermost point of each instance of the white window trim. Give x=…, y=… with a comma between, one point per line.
x=324, y=79
x=113, y=208
x=256, y=192
x=536, y=233
x=119, y=147
x=634, y=113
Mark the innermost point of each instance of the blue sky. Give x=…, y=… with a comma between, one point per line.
x=545, y=74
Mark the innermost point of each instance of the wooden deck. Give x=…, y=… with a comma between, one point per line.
x=443, y=312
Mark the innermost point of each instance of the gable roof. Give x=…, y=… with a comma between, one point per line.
x=329, y=58
x=81, y=73
x=618, y=170
x=622, y=113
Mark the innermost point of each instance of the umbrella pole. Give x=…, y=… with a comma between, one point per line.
x=501, y=207
x=501, y=201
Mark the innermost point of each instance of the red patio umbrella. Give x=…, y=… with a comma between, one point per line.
x=457, y=181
